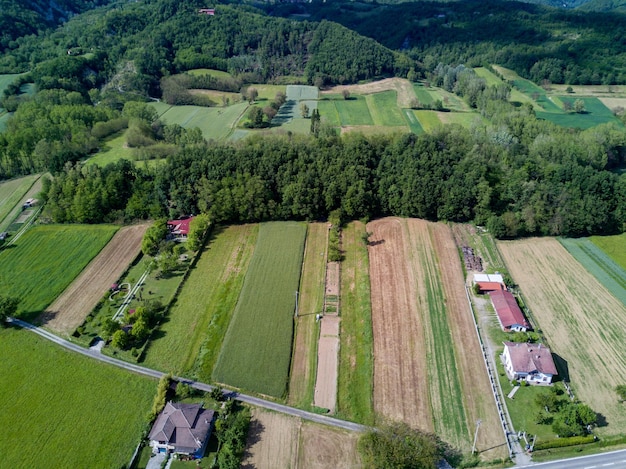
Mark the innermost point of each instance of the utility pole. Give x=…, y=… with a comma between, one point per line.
x=478, y=422
x=296, y=303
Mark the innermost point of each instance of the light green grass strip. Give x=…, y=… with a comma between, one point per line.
x=328, y=112
x=428, y=120
x=489, y=77
x=257, y=347
x=354, y=111
x=63, y=410
x=384, y=110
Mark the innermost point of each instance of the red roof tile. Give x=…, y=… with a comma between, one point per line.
x=528, y=358
x=507, y=309
x=489, y=286
x=180, y=226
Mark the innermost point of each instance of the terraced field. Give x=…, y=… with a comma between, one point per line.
x=579, y=316
x=257, y=346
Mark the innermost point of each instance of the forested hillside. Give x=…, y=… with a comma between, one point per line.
x=538, y=42
x=23, y=17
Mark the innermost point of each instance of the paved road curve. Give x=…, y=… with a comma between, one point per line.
x=323, y=419
x=612, y=460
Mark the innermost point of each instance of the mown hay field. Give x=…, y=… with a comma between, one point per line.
x=414, y=124
x=215, y=122
x=191, y=338
x=356, y=360
x=423, y=334
x=257, y=347
x=429, y=120
x=599, y=263
x=353, y=111
x=384, y=109
x=580, y=318
x=310, y=303
x=46, y=260
x=61, y=409
x=12, y=192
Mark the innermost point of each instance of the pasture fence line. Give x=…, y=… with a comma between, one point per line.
x=495, y=383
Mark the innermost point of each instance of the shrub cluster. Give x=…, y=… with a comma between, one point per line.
x=562, y=442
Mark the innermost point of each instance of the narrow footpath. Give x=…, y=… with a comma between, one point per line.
x=318, y=418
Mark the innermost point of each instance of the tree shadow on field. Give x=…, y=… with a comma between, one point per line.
x=255, y=432
x=562, y=367
x=38, y=318
x=601, y=420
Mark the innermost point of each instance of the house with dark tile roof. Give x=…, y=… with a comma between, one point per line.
x=182, y=428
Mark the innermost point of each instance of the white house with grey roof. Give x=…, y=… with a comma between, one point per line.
x=182, y=428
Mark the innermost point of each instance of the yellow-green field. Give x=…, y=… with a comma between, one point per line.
x=11, y=193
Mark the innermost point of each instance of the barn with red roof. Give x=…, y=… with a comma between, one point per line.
x=179, y=229
x=509, y=313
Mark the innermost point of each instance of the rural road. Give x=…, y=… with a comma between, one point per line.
x=612, y=460
x=318, y=418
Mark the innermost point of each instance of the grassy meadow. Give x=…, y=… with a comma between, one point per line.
x=46, y=260
x=61, y=409
x=209, y=71
x=197, y=322
x=384, y=109
x=414, y=124
x=11, y=194
x=356, y=360
x=216, y=123
x=310, y=303
x=257, y=347
x=428, y=120
x=113, y=149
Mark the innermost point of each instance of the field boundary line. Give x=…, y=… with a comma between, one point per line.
x=284, y=409
x=496, y=390
x=24, y=228
x=233, y=126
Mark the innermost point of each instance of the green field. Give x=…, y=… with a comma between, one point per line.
x=601, y=256
x=197, y=322
x=63, y=410
x=423, y=95
x=216, y=123
x=414, y=124
x=113, y=149
x=353, y=111
x=595, y=113
x=489, y=76
x=428, y=120
x=209, y=71
x=12, y=193
x=310, y=303
x=384, y=109
x=257, y=346
x=328, y=112
x=44, y=261
x=355, y=378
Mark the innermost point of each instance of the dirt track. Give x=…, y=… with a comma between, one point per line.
x=277, y=440
x=327, y=356
x=400, y=368
x=70, y=309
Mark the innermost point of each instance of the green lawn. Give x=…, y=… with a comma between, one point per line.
x=44, y=261
x=63, y=410
x=353, y=111
x=257, y=346
x=384, y=109
x=215, y=122
x=414, y=124
x=11, y=194
x=113, y=149
x=354, y=382
x=198, y=320
x=428, y=120
x=604, y=258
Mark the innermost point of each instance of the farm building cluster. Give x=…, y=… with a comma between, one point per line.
x=528, y=362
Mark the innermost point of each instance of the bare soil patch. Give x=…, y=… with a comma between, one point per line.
x=612, y=102
x=78, y=300
x=281, y=441
x=327, y=362
x=479, y=402
x=332, y=278
x=403, y=87
x=583, y=322
x=272, y=441
x=400, y=366
x=324, y=447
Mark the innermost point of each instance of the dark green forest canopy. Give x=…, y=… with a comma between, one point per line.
x=550, y=183
x=563, y=46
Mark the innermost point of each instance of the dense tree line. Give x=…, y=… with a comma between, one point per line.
x=518, y=176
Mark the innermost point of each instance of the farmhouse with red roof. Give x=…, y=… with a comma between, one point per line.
x=529, y=362
x=179, y=229
x=509, y=314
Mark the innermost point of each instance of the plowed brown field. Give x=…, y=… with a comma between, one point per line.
x=277, y=441
x=70, y=309
x=582, y=320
